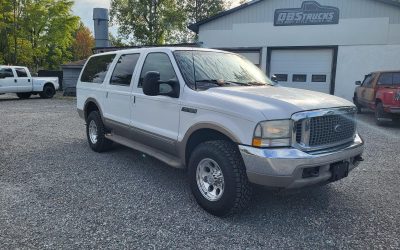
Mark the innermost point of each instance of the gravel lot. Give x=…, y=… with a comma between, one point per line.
x=57, y=193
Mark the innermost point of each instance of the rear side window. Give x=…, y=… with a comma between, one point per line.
x=123, y=70
x=396, y=78
x=158, y=62
x=21, y=72
x=96, y=68
x=6, y=72
x=386, y=79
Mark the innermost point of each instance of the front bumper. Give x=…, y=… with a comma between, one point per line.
x=283, y=167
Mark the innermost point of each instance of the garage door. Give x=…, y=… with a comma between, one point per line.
x=305, y=69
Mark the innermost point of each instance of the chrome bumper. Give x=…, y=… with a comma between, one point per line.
x=283, y=167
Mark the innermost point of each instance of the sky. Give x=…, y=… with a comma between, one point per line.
x=84, y=9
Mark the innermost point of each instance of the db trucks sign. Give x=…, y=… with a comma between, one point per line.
x=310, y=13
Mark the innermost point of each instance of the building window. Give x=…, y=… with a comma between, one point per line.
x=281, y=77
x=318, y=78
x=299, y=78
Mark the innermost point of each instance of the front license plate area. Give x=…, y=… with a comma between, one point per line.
x=339, y=170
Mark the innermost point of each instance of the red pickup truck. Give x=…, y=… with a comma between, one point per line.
x=380, y=91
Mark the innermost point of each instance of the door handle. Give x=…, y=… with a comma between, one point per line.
x=29, y=80
x=106, y=94
x=15, y=80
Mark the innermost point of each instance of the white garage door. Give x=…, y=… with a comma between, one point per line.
x=253, y=57
x=305, y=69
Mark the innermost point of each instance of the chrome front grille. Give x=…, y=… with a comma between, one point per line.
x=314, y=130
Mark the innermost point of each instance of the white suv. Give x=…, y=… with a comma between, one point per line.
x=219, y=116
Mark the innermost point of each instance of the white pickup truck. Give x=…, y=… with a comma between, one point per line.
x=217, y=115
x=18, y=79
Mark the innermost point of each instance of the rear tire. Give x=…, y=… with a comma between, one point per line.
x=24, y=95
x=95, y=132
x=48, y=91
x=208, y=162
x=380, y=115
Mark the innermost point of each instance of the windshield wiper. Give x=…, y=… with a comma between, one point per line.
x=221, y=82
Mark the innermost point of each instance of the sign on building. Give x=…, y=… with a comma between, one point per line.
x=310, y=13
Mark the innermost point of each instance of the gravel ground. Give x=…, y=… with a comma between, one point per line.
x=57, y=193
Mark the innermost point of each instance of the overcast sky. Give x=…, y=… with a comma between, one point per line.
x=84, y=9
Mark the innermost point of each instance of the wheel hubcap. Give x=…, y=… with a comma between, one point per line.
x=93, y=132
x=210, y=179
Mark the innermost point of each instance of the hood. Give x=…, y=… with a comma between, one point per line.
x=277, y=102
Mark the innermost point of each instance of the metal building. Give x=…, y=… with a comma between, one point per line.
x=323, y=45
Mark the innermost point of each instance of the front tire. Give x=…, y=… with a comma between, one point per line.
x=95, y=131
x=218, y=179
x=48, y=91
x=24, y=95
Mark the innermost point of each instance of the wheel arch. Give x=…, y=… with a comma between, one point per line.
x=91, y=105
x=201, y=133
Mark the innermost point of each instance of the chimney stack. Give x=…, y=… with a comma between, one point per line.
x=100, y=17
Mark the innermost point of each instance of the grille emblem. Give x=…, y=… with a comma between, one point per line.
x=338, y=128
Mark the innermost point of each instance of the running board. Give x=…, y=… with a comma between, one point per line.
x=166, y=158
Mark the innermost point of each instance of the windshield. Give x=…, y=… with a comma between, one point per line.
x=207, y=69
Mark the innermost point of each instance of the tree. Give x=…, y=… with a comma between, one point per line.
x=83, y=44
x=201, y=9
x=149, y=22
x=39, y=33
x=116, y=41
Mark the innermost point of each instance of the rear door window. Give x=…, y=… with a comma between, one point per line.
x=21, y=72
x=6, y=72
x=386, y=79
x=96, y=68
x=123, y=70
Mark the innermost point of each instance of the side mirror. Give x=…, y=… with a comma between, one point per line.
x=2, y=76
x=152, y=86
x=358, y=83
x=274, y=78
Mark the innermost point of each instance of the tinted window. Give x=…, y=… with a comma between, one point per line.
x=96, y=69
x=299, y=78
x=21, y=72
x=281, y=77
x=123, y=70
x=318, y=78
x=396, y=78
x=386, y=79
x=6, y=72
x=158, y=62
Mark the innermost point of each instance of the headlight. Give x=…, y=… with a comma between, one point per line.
x=272, y=134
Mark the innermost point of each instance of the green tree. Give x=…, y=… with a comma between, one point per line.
x=39, y=32
x=148, y=22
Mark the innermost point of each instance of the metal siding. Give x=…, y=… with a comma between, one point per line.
x=70, y=77
x=264, y=12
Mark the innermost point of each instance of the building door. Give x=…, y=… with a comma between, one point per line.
x=304, y=68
